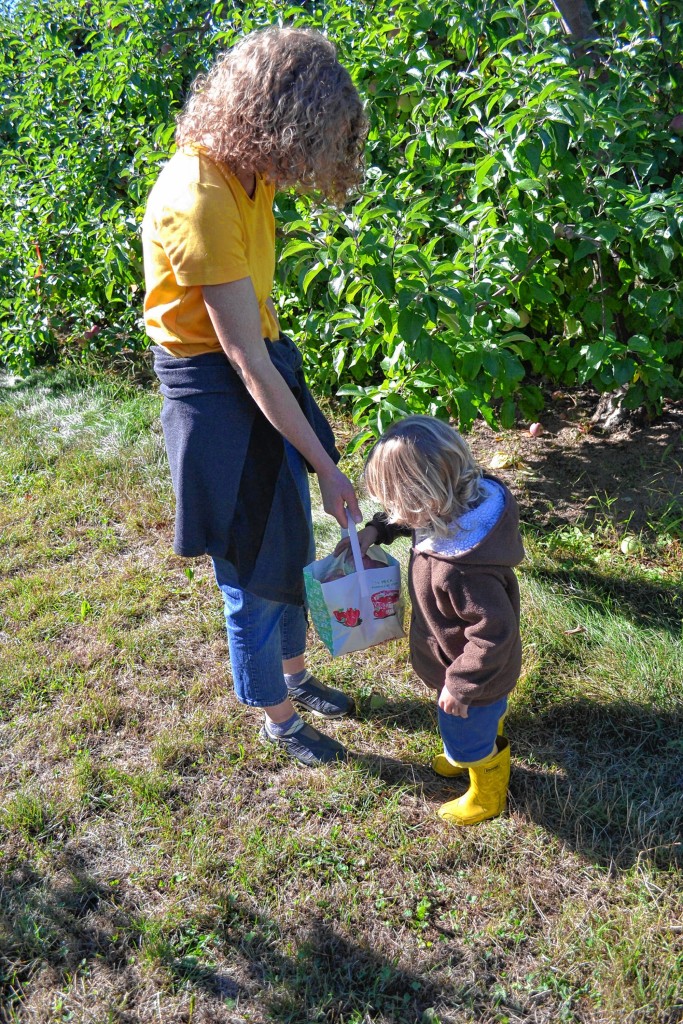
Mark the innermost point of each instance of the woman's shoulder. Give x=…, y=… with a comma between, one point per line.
x=191, y=167
x=190, y=180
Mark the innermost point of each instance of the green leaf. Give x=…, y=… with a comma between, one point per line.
x=640, y=343
x=471, y=363
x=387, y=314
x=608, y=232
x=396, y=404
x=410, y=324
x=635, y=396
x=442, y=357
x=294, y=247
x=410, y=151
x=507, y=414
x=310, y=276
x=467, y=408
x=561, y=132
x=339, y=360
x=337, y=284
x=531, y=155
x=624, y=371
x=358, y=440
x=594, y=354
x=383, y=278
x=483, y=168
x=541, y=293
x=584, y=248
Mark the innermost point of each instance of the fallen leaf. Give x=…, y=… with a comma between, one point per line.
x=499, y=460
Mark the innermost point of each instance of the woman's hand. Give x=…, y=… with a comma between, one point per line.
x=366, y=537
x=451, y=705
x=337, y=493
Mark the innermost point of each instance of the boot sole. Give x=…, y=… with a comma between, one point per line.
x=475, y=820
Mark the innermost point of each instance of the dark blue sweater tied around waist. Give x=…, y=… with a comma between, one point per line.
x=236, y=498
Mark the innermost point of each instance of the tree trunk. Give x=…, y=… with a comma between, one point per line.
x=577, y=19
x=610, y=415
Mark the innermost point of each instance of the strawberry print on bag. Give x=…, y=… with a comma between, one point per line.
x=350, y=617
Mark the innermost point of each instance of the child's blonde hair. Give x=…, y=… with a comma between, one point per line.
x=423, y=474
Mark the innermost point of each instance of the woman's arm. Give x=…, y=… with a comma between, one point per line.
x=234, y=313
x=273, y=312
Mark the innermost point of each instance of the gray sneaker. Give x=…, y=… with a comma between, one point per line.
x=320, y=700
x=307, y=745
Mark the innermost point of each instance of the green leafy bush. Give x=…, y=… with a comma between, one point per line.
x=521, y=223
x=90, y=95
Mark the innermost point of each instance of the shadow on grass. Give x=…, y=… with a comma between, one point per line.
x=62, y=922
x=329, y=977
x=63, y=928
x=606, y=779
x=647, y=604
x=392, y=772
x=57, y=926
x=324, y=976
x=624, y=480
x=412, y=714
x=58, y=380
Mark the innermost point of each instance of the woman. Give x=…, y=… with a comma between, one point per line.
x=240, y=425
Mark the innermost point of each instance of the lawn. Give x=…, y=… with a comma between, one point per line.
x=159, y=864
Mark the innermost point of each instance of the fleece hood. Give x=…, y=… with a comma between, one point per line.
x=487, y=534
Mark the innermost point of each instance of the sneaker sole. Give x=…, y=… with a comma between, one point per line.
x=322, y=714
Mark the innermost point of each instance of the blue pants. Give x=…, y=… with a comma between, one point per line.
x=262, y=633
x=466, y=740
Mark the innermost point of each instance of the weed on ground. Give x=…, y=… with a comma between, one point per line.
x=158, y=864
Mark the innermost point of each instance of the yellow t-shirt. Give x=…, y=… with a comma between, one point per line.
x=201, y=228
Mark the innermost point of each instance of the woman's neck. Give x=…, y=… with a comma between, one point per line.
x=247, y=180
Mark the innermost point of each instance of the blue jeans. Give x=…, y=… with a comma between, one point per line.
x=262, y=633
x=470, y=739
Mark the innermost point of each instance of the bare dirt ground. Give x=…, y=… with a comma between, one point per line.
x=575, y=472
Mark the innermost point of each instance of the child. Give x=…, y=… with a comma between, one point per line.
x=464, y=631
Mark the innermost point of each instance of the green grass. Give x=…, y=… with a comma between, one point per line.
x=157, y=863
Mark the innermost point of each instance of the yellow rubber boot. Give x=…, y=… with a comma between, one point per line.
x=443, y=766
x=487, y=793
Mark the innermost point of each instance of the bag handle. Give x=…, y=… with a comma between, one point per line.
x=358, y=562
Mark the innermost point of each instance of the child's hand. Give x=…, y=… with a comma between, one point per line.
x=366, y=537
x=451, y=705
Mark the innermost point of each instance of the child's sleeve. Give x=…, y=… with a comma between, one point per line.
x=490, y=662
x=387, y=532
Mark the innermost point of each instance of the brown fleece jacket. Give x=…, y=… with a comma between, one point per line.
x=464, y=631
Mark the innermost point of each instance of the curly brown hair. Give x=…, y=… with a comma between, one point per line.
x=280, y=103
